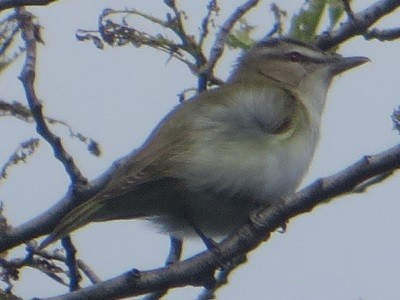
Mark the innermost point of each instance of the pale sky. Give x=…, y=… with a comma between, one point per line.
x=347, y=249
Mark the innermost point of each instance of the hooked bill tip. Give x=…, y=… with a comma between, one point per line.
x=347, y=63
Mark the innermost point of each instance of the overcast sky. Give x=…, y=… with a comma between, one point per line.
x=347, y=249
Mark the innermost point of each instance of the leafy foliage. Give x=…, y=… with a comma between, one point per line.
x=305, y=24
x=241, y=37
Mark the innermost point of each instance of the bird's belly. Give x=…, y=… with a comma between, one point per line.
x=223, y=187
x=285, y=167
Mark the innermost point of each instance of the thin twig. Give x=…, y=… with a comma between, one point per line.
x=277, y=28
x=22, y=112
x=383, y=34
x=30, y=33
x=176, y=24
x=56, y=255
x=121, y=34
x=88, y=271
x=212, y=8
x=8, y=33
x=349, y=11
x=11, y=268
x=222, y=278
x=70, y=261
x=188, y=43
x=218, y=46
x=363, y=20
x=174, y=256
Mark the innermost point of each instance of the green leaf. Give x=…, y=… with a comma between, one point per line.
x=304, y=24
x=335, y=12
x=241, y=38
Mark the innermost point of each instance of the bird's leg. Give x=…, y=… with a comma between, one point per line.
x=209, y=242
x=211, y=245
x=188, y=217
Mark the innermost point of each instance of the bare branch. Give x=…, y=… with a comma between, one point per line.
x=362, y=21
x=92, y=146
x=11, y=268
x=5, y=4
x=56, y=255
x=8, y=31
x=383, y=34
x=361, y=188
x=121, y=34
x=277, y=28
x=90, y=274
x=70, y=261
x=212, y=9
x=197, y=270
x=21, y=112
x=176, y=23
x=188, y=42
x=30, y=35
x=43, y=261
x=4, y=225
x=45, y=222
x=222, y=277
x=174, y=256
x=349, y=11
x=219, y=43
x=396, y=119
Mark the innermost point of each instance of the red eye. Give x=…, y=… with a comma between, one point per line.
x=295, y=56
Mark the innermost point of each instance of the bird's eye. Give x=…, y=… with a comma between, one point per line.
x=295, y=56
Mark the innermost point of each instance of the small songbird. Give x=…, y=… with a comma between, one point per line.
x=215, y=158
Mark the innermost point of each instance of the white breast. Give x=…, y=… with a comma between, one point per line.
x=230, y=158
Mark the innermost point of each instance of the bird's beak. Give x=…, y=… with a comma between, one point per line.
x=346, y=63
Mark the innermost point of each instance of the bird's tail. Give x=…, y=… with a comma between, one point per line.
x=78, y=217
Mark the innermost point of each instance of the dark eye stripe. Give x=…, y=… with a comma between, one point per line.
x=296, y=56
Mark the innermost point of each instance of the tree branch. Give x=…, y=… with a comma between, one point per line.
x=56, y=255
x=174, y=256
x=357, y=25
x=31, y=35
x=218, y=46
x=20, y=111
x=46, y=221
x=198, y=269
x=222, y=277
x=383, y=34
x=212, y=10
x=71, y=262
x=5, y=4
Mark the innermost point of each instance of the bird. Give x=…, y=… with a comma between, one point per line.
x=217, y=157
